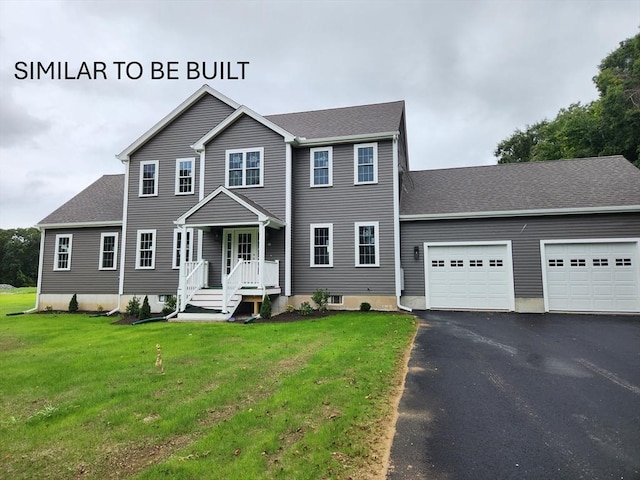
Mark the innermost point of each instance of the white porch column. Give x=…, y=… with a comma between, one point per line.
x=181, y=281
x=261, y=252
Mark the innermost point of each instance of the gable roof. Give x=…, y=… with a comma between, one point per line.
x=378, y=118
x=99, y=204
x=176, y=112
x=564, y=186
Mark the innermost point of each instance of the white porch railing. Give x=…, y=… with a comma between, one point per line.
x=246, y=273
x=196, y=275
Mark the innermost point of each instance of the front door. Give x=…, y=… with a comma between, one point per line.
x=239, y=244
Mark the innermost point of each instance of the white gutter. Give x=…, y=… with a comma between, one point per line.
x=301, y=141
x=114, y=223
x=522, y=213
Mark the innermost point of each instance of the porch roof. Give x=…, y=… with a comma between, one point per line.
x=223, y=207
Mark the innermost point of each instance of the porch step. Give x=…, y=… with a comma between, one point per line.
x=208, y=305
x=201, y=317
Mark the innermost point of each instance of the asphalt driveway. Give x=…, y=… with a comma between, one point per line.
x=518, y=396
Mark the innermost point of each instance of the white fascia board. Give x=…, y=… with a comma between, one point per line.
x=521, y=213
x=243, y=110
x=205, y=89
x=366, y=137
x=115, y=223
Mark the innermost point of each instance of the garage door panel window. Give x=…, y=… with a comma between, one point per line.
x=437, y=263
x=457, y=263
x=475, y=263
x=496, y=263
x=600, y=262
x=555, y=262
x=623, y=262
x=578, y=262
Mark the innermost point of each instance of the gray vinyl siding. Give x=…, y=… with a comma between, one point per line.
x=160, y=212
x=525, y=234
x=222, y=209
x=343, y=204
x=212, y=252
x=275, y=249
x=85, y=277
x=248, y=133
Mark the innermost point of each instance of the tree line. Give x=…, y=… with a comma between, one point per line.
x=609, y=125
x=19, y=254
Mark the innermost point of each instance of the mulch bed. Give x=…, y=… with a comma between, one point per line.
x=282, y=318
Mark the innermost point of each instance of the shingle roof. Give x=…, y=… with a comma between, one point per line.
x=99, y=202
x=340, y=122
x=575, y=183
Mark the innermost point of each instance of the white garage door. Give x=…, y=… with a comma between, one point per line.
x=469, y=276
x=592, y=277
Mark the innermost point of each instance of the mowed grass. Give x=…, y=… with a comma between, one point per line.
x=81, y=398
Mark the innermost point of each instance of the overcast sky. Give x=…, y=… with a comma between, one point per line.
x=471, y=72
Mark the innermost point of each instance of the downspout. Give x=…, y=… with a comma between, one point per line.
x=40, y=267
x=287, y=219
x=123, y=241
x=396, y=225
x=201, y=197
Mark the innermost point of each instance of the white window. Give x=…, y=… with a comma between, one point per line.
x=108, y=251
x=146, y=249
x=321, y=166
x=367, y=244
x=62, y=254
x=321, y=252
x=177, y=246
x=149, y=178
x=185, y=175
x=245, y=168
x=365, y=163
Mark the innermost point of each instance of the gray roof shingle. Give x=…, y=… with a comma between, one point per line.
x=99, y=202
x=575, y=183
x=341, y=122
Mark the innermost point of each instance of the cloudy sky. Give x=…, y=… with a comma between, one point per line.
x=471, y=72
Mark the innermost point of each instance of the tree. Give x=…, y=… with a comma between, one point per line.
x=145, y=309
x=609, y=125
x=19, y=253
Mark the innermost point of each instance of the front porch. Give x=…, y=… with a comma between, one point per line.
x=249, y=280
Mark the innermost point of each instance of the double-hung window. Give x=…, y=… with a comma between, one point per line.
x=245, y=167
x=108, y=251
x=321, y=167
x=321, y=253
x=146, y=249
x=62, y=253
x=148, y=178
x=185, y=175
x=177, y=246
x=365, y=163
x=367, y=243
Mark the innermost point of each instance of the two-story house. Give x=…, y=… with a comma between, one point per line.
x=219, y=205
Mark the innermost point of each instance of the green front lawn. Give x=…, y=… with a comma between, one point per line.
x=81, y=398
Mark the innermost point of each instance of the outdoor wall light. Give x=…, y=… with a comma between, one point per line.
x=416, y=252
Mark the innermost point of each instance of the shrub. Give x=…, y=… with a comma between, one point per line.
x=99, y=308
x=169, y=305
x=73, y=304
x=365, y=306
x=321, y=299
x=306, y=308
x=133, y=307
x=290, y=308
x=265, y=308
x=145, y=310
x=48, y=309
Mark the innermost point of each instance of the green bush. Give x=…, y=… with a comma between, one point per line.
x=145, y=309
x=133, y=307
x=265, y=308
x=305, y=308
x=321, y=299
x=169, y=305
x=73, y=304
x=365, y=306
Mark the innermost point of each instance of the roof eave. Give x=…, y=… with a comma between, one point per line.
x=361, y=137
x=521, y=213
x=111, y=223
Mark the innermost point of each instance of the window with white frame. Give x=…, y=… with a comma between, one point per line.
x=367, y=244
x=62, y=253
x=321, y=167
x=108, y=251
x=245, y=167
x=149, y=178
x=177, y=246
x=365, y=163
x=146, y=249
x=185, y=175
x=321, y=252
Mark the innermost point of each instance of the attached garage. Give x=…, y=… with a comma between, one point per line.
x=476, y=276
x=591, y=276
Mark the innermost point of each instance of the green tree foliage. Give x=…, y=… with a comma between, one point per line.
x=265, y=308
x=609, y=125
x=73, y=303
x=145, y=309
x=19, y=253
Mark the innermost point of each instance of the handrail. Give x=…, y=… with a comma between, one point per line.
x=196, y=274
x=232, y=284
